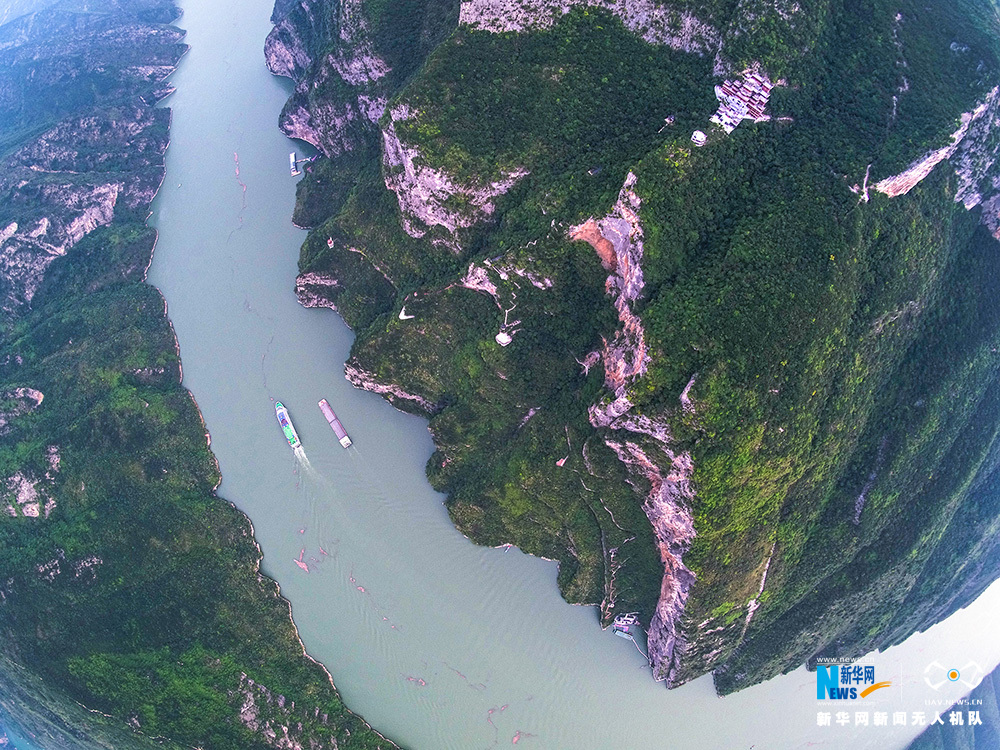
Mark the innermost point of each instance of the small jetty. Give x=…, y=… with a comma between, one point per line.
x=338, y=428
x=625, y=626
x=294, y=163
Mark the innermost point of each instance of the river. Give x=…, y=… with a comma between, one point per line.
x=436, y=642
x=15, y=740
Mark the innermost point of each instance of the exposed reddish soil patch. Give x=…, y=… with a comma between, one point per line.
x=590, y=233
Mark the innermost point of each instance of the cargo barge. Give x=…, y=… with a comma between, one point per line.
x=338, y=428
x=286, y=425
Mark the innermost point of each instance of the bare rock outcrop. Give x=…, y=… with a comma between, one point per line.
x=975, y=159
x=590, y=233
x=973, y=152
x=277, y=720
x=394, y=394
x=625, y=355
x=991, y=215
x=299, y=48
x=427, y=196
x=313, y=289
x=667, y=505
x=70, y=180
x=643, y=443
x=905, y=181
x=15, y=403
x=655, y=23
x=29, y=495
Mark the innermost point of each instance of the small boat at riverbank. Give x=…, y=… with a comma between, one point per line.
x=338, y=428
x=626, y=626
x=286, y=425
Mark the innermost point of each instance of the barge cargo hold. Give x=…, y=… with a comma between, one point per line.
x=338, y=428
x=286, y=425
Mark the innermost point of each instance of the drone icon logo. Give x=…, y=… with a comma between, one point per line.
x=936, y=675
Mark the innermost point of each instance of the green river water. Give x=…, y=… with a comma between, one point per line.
x=436, y=642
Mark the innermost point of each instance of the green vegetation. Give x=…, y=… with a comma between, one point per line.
x=37, y=91
x=843, y=349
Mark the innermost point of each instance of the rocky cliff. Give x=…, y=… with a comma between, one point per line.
x=642, y=443
x=69, y=181
x=655, y=23
x=429, y=197
x=323, y=46
x=973, y=151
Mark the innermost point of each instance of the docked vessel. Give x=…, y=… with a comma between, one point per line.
x=286, y=425
x=625, y=626
x=338, y=428
x=294, y=166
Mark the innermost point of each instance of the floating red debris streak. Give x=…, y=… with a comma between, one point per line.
x=300, y=562
x=379, y=610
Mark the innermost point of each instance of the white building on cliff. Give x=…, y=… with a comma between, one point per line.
x=742, y=99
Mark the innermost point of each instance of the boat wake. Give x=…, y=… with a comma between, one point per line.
x=316, y=524
x=302, y=462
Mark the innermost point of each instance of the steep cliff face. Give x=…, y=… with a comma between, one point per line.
x=72, y=179
x=81, y=169
x=668, y=507
x=968, y=142
x=41, y=83
x=732, y=34
x=642, y=443
x=315, y=290
x=972, y=152
x=429, y=197
x=392, y=392
x=653, y=22
x=626, y=355
x=323, y=46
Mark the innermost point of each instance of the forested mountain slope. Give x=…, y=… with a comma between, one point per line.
x=132, y=610
x=748, y=389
